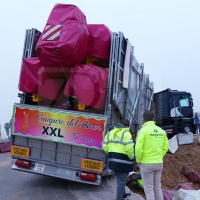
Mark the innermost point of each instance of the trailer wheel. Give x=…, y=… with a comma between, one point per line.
x=187, y=128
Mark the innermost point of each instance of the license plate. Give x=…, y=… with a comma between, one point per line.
x=61, y=171
x=93, y=165
x=20, y=151
x=39, y=167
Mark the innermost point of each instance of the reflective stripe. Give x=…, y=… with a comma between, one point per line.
x=108, y=134
x=127, y=143
x=122, y=137
x=117, y=142
x=105, y=142
x=51, y=32
x=114, y=142
x=120, y=161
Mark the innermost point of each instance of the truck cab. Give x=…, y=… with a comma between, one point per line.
x=174, y=111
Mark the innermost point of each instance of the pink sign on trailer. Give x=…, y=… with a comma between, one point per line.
x=59, y=126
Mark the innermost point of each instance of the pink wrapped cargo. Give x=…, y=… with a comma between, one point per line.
x=99, y=41
x=88, y=83
x=29, y=77
x=34, y=78
x=64, y=40
x=52, y=88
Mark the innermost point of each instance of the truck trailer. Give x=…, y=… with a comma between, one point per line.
x=66, y=142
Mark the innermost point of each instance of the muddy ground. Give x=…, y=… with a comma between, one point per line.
x=188, y=155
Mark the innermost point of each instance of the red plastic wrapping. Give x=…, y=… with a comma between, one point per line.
x=191, y=174
x=34, y=78
x=88, y=83
x=99, y=41
x=64, y=40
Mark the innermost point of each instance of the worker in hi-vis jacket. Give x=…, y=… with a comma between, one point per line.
x=151, y=146
x=119, y=146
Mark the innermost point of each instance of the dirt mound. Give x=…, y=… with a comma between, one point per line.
x=188, y=155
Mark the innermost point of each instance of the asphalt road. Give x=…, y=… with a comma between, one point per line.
x=25, y=186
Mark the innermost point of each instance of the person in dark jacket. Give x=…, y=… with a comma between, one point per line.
x=196, y=122
x=119, y=146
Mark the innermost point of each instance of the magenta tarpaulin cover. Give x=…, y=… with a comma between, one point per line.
x=169, y=194
x=185, y=186
x=5, y=147
x=29, y=76
x=64, y=40
x=99, y=41
x=88, y=83
x=34, y=78
x=191, y=174
x=52, y=88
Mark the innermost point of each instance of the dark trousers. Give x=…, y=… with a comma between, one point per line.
x=121, y=183
x=197, y=128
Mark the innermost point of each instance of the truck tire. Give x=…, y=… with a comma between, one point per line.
x=187, y=128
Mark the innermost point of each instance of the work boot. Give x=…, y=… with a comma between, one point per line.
x=126, y=196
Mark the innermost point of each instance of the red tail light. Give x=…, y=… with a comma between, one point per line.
x=88, y=176
x=23, y=163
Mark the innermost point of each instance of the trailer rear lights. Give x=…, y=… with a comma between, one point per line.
x=23, y=163
x=88, y=176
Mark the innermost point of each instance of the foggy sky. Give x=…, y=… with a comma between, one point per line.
x=165, y=36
